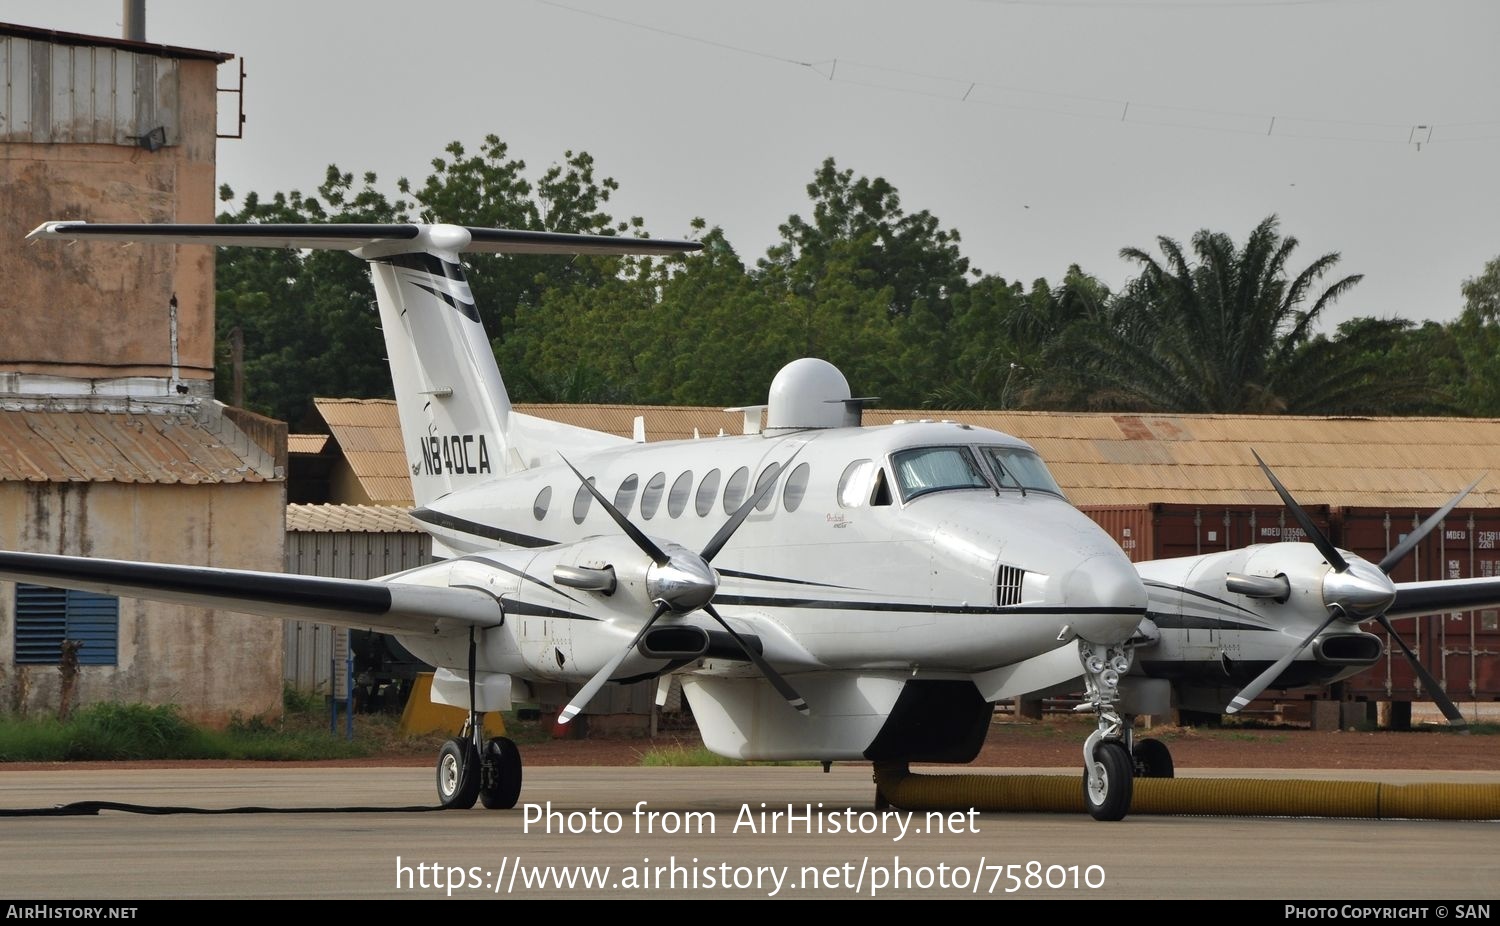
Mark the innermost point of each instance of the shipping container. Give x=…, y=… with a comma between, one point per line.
x=1162, y=531
x=1461, y=648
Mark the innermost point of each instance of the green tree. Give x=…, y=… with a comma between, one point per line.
x=491, y=189
x=1476, y=384
x=307, y=319
x=1231, y=331
x=859, y=228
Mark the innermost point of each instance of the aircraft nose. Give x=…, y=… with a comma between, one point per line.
x=1106, y=596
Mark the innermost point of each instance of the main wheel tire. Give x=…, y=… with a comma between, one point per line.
x=458, y=774
x=1153, y=760
x=1110, y=798
x=504, y=760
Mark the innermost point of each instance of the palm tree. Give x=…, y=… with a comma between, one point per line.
x=1225, y=333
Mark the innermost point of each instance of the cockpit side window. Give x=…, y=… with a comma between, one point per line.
x=854, y=483
x=1019, y=468
x=933, y=469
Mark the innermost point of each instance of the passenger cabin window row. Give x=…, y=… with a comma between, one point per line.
x=736, y=491
x=913, y=473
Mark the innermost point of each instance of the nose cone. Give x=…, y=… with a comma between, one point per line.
x=1105, y=598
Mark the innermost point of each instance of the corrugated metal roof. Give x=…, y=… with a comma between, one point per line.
x=373, y=519
x=97, y=446
x=1100, y=458
x=307, y=443
x=108, y=41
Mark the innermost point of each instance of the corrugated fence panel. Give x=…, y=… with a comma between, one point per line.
x=313, y=650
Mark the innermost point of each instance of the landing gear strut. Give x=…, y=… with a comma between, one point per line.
x=1108, y=770
x=469, y=768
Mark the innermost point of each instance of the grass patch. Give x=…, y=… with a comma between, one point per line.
x=111, y=731
x=679, y=756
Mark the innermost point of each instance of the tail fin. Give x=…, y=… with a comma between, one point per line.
x=455, y=413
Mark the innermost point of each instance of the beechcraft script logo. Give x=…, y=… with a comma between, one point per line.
x=456, y=454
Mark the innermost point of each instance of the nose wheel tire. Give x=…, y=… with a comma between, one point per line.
x=1107, y=792
x=1153, y=760
x=502, y=779
x=458, y=774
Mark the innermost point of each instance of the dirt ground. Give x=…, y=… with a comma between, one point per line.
x=1060, y=743
x=1045, y=743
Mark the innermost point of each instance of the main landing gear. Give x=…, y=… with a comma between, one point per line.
x=469, y=768
x=467, y=771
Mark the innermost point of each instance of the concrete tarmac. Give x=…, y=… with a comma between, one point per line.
x=710, y=837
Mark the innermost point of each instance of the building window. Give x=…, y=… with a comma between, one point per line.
x=45, y=617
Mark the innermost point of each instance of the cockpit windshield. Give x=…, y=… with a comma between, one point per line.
x=932, y=469
x=1018, y=468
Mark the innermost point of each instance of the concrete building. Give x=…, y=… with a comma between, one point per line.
x=111, y=443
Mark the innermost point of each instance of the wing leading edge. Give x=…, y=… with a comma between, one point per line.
x=375, y=604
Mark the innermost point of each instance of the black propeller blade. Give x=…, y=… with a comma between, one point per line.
x=780, y=684
x=1325, y=547
x=656, y=553
x=662, y=558
x=1439, y=696
x=1415, y=537
x=1263, y=680
x=591, y=688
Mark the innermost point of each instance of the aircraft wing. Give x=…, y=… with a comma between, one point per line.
x=375, y=604
x=350, y=237
x=1414, y=599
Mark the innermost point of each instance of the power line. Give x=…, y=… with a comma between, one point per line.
x=963, y=92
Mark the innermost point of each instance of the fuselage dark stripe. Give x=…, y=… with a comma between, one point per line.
x=531, y=609
x=1150, y=583
x=735, y=573
x=504, y=567
x=1198, y=622
x=439, y=519
x=913, y=606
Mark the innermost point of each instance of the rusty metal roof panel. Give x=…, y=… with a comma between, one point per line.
x=41, y=445
x=356, y=412
x=306, y=443
x=373, y=519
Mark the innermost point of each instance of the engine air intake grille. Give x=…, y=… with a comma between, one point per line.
x=1008, y=585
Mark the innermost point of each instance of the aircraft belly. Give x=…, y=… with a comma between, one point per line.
x=745, y=718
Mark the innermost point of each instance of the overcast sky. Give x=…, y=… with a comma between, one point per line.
x=1047, y=132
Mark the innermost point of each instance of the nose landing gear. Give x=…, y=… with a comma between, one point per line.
x=1108, y=769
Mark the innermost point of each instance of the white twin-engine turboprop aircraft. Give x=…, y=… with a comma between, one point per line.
x=822, y=590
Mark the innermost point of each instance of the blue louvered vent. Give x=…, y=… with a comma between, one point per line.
x=45, y=617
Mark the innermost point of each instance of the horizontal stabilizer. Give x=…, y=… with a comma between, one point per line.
x=391, y=239
x=390, y=607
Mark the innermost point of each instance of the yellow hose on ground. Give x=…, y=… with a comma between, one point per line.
x=1245, y=797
